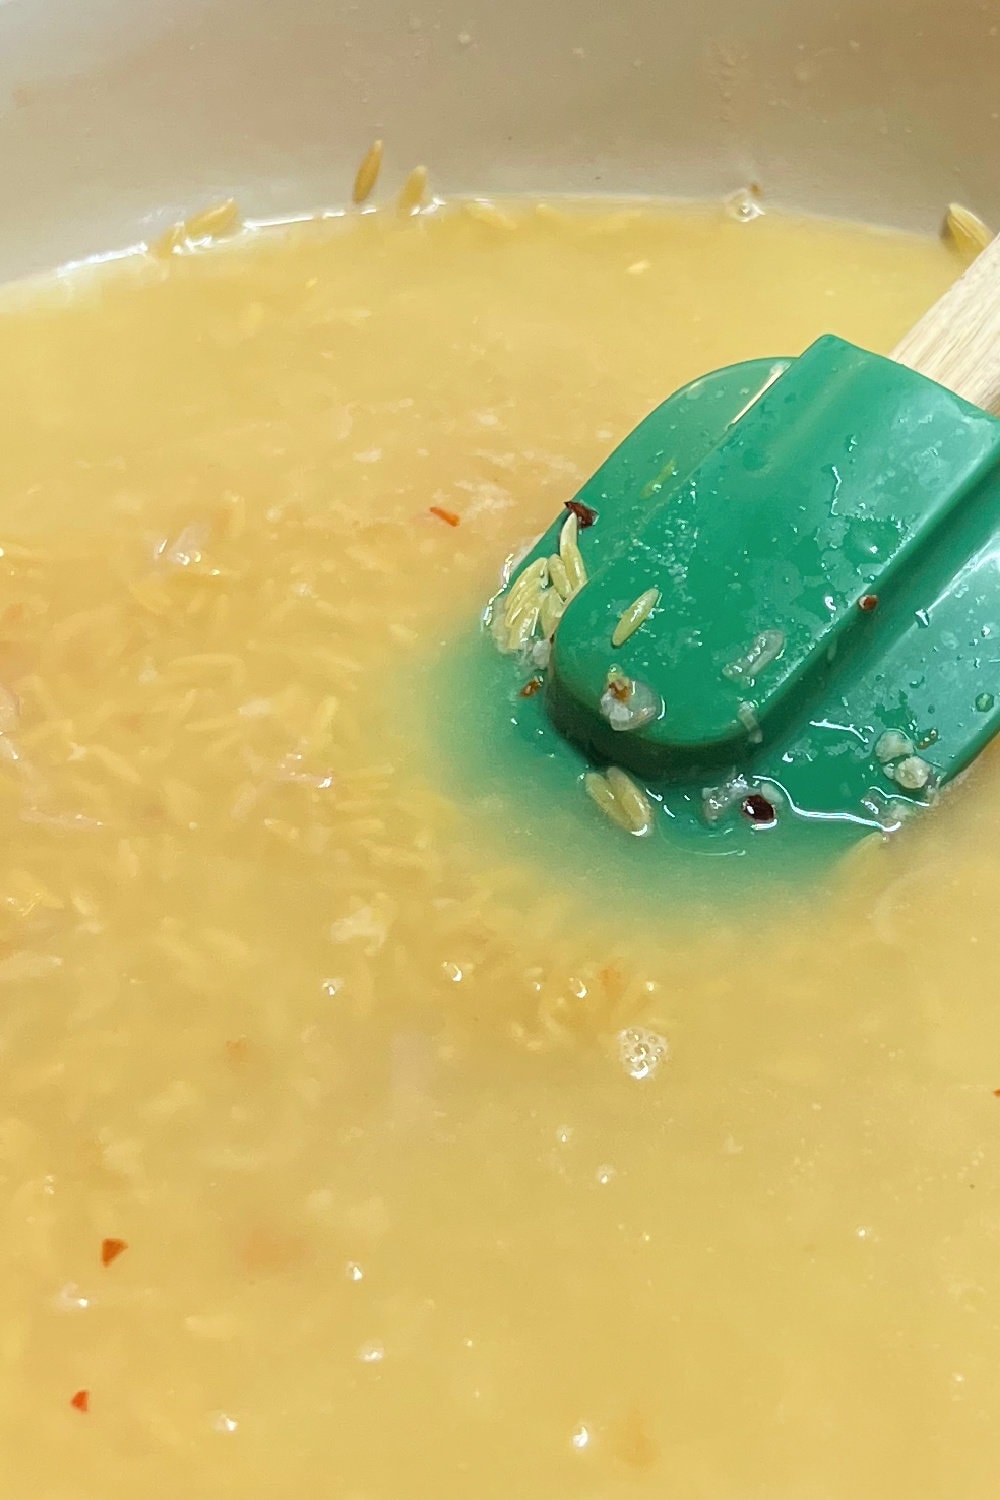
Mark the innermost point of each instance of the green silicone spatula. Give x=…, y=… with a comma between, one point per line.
x=781, y=593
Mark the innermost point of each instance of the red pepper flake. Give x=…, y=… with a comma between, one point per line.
x=111, y=1249
x=583, y=513
x=266, y=1251
x=620, y=688
x=868, y=603
x=613, y=980
x=237, y=1049
x=758, y=809
x=531, y=687
x=447, y=516
x=81, y=1401
x=996, y=1093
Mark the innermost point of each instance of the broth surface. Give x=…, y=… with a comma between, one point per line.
x=343, y=1071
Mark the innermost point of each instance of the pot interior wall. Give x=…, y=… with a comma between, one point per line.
x=115, y=116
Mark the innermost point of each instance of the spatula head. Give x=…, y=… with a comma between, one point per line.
x=793, y=570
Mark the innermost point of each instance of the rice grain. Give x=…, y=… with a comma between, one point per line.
x=215, y=222
x=115, y=764
x=518, y=604
x=534, y=575
x=599, y=792
x=634, y=616
x=559, y=576
x=411, y=195
x=620, y=799
x=523, y=628
x=569, y=552
x=484, y=212
x=966, y=230
x=367, y=174
x=631, y=799
x=553, y=605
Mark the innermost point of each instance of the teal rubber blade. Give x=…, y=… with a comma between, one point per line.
x=821, y=538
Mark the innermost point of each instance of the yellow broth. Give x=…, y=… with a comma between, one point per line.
x=358, y=1084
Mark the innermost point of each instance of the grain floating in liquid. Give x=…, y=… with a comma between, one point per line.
x=216, y=222
x=489, y=214
x=413, y=192
x=631, y=799
x=602, y=794
x=620, y=799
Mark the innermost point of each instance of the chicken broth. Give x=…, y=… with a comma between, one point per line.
x=346, y=1150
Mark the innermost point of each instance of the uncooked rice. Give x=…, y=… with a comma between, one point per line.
x=631, y=799
x=553, y=605
x=413, y=190
x=524, y=627
x=598, y=790
x=569, y=552
x=215, y=222
x=526, y=583
x=638, y=611
x=966, y=230
x=484, y=212
x=367, y=174
x=621, y=800
x=528, y=605
x=559, y=576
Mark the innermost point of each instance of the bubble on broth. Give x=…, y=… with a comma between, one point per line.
x=642, y=1052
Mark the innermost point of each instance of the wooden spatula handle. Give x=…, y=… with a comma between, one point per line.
x=957, y=343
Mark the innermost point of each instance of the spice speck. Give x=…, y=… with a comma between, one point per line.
x=447, y=516
x=758, y=809
x=584, y=514
x=111, y=1249
x=868, y=603
x=81, y=1401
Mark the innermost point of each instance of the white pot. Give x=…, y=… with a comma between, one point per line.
x=117, y=116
